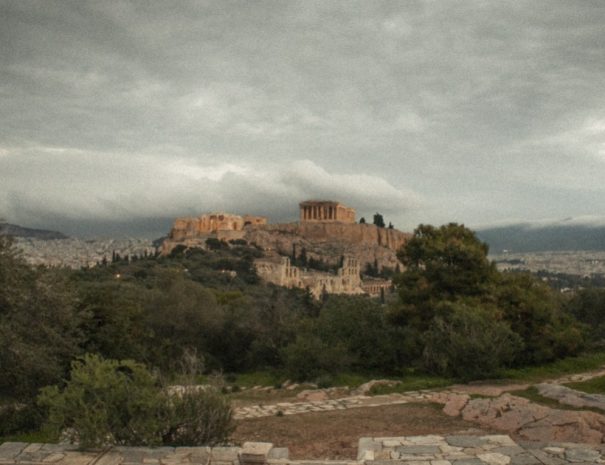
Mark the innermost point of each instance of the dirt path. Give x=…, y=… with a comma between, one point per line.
x=335, y=434
x=330, y=428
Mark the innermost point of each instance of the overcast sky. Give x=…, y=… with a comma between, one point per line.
x=116, y=117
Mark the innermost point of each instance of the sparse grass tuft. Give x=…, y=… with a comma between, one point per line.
x=569, y=365
x=32, y=436
x=591, y=386
x=259, y=378
x=352, y=380
x=533, y=395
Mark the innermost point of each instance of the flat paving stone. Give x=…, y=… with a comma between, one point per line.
x=525, y=459
x=53, y=457
x=410, y=450
x=465, y=441
x=469, y=462
x=582, y=455
x=509, y=450
x=9, y=450
x=418, y=450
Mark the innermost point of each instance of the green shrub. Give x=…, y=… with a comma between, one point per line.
x=309, y=357
x=18, y=418
x=198, y=417
x=120, y=402
x=325, y=381
x=469, y=343
x=106, y=402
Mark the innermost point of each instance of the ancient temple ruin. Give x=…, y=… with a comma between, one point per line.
x=327, y=231
x=280, y=271
x=193, y=232
x=325, y=211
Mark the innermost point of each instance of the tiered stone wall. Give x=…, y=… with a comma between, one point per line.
x=193, y=232
x=375, y=286
x=187, y=228
x=280, y=271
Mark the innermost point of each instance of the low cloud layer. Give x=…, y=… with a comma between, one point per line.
x=127, y=188
x=138, y=111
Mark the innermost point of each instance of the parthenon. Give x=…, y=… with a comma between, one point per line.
x=325, y=211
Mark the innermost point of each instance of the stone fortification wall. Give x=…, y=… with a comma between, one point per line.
x=279, y=270
x=327, y=232
x=193, y=232
x=330, y=241
x=188, y=228
x=325, y=241
x=376, y=286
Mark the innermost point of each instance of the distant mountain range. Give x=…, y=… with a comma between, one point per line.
x=20, y=231
x=529, y=237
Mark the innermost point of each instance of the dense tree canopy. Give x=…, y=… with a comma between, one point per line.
x=39, y=325
x=450, y=291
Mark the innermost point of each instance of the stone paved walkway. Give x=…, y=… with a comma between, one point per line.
x=357, y=401
x=293, y=408
x=409, y=450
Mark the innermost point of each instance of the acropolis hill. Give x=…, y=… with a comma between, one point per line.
x=326, y=231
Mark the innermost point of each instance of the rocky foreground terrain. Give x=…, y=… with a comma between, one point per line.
x=512, y=430
x=580, y=418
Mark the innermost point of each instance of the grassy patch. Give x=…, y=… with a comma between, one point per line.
x=32, y=436
x=569, y=365
x=591, y=386
x=257, y=378
x=352, y=380
x=533, y=395
x=276, y=378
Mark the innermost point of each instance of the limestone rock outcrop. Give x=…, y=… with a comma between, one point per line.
x=529, y=421
x=330, y=241
x=193, y=232
x=323, y=239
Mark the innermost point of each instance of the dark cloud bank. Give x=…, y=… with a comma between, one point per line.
x=117, y=116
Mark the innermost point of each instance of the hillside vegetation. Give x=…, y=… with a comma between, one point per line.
x=197, y=312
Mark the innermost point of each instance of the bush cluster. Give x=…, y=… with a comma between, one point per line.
x=107, y=402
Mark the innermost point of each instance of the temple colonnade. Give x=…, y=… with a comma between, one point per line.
x=319, y=212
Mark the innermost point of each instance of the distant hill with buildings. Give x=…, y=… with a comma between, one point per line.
x=326, y=232
x=19, y=231
x=529, y=237
x=326, y=251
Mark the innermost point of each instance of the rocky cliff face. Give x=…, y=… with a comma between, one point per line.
x=330, y=241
